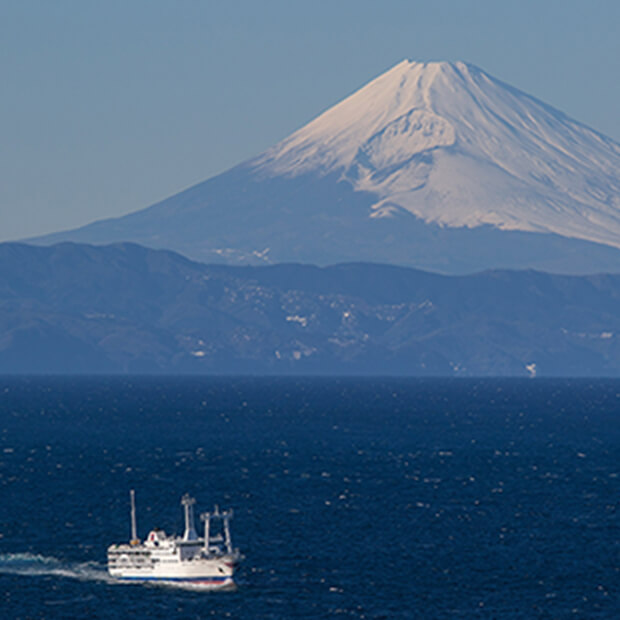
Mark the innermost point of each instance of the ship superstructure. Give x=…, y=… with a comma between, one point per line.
x=209, y=560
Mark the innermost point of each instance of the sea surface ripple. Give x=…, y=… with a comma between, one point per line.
x=362, y=498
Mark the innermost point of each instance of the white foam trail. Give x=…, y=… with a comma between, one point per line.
x=35, y=565
x=195, y=587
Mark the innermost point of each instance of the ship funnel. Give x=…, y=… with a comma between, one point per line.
x=188, y=506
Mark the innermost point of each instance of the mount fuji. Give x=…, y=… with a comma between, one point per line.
x=435, y=165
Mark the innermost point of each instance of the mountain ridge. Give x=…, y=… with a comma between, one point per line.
x=74, y=308
x=422, y=155
x=422, y=113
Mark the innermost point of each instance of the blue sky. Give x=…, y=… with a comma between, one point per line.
x=107, y=107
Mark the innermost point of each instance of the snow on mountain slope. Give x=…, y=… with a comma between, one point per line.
x=454, y=146
x=431, y=165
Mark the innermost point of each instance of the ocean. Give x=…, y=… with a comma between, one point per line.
x=352, y=497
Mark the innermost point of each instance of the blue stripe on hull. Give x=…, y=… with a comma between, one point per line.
x=185, y=579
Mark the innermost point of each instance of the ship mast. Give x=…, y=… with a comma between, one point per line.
x=227, y=516
x=188, y=505
x=134, y=529
x=206, y=517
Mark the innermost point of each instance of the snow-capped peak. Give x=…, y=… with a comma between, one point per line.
x=333, y=139
x=453, y=145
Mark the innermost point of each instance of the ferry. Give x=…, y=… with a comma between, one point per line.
x=208, y=561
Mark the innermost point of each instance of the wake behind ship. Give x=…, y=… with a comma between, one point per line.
x=203, y=561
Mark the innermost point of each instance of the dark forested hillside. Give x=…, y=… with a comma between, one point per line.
x=124, y=308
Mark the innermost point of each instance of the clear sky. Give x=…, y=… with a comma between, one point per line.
x=109, y=106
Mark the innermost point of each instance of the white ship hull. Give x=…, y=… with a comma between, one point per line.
x=202, y=571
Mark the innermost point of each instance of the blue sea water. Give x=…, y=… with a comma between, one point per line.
x=361, y=498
